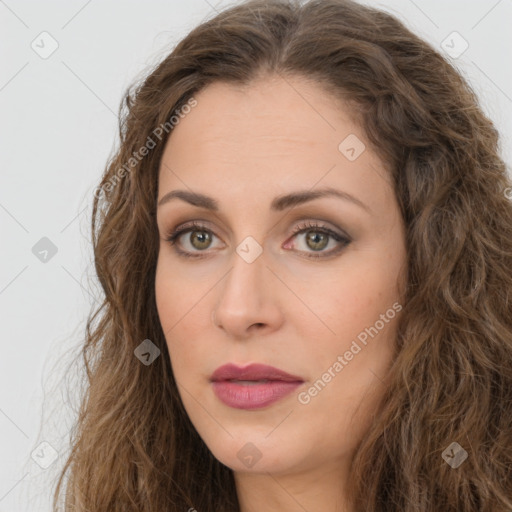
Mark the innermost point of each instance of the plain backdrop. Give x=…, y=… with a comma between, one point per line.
x=58, y=126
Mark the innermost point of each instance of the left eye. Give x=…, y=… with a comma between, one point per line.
x=316, y=239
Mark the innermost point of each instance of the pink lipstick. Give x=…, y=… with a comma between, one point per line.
x=253, y=386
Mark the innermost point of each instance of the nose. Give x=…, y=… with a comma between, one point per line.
x=247, y=301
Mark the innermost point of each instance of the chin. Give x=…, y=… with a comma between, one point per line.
x=253, y=454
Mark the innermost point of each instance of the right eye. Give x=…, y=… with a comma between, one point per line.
x=200, y=236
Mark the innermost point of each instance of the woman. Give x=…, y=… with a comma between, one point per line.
x=305, y=244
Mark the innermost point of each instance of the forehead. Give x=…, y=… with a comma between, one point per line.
x=273, y=114
x=266, y=138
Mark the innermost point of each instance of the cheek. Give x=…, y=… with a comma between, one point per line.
x=351, y=300
x=165, y=297
x=176, y=296
x=358, y=307
x=170, y=309
x=180, y=314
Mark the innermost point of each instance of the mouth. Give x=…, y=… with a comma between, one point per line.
x=252, y=387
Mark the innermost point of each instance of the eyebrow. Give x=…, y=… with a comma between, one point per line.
x=278, y=204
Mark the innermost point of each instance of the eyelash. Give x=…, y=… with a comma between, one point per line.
x=173, y=236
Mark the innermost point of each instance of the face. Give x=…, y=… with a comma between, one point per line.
x=311, y=287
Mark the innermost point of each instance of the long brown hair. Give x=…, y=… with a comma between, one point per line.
x=134, y=448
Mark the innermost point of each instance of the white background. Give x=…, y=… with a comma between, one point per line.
x=58, y=126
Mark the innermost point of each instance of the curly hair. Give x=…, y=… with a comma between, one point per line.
x=134, y=448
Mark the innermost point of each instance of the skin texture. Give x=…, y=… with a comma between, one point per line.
x=243, y=147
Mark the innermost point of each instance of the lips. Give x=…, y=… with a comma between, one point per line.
x=252, y=387
x=252, y=372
